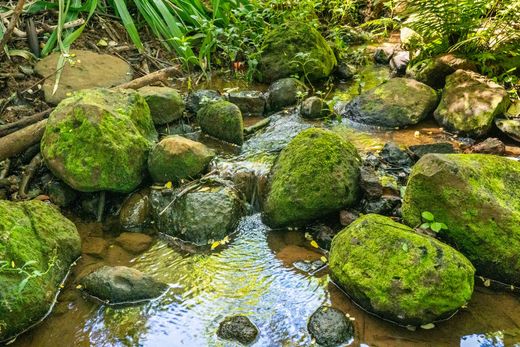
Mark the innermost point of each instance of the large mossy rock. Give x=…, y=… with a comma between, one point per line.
x=434, y=71
x=315, y=175
x=478, y=197
x=295, y=48
x=176, y=157
x=36, y=235
x=223, y=120
x=201, y=216
x=397, y=103
x=166, y=104
x=470, y=102
x=99, y=139
x=390, y=270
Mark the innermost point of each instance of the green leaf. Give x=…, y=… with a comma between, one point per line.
x=428, y=216
x=405, y=247
x=128, y=23
x=435, y=226
x=425, y=226
x=443, y=226
x=22, y=284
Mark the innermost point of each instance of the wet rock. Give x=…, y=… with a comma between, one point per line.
x=421, y=150
x=433, y=72
x=250, y=103
x=409, y=38
x=308, y=266
x=238, y=328
x=383, y=54
x=83, y=70
x=282, y=128
x=510, y=127
x=490, y=145
x=223, y=120
x=295, y=49
x=134, y=242
x=330, y=327
x=201, y=216
x=347, y=217
x=323, y=234
x=60, y=194
x=397, y=103
x=315, y=107
x=385, y=205
x=99, y=139
x=35, y=236
x=121, y=284
x=316, y=174
x=399, y=63
x=344, y=72
x=370, y=184
x=179, y=129
x=198, y=98
x=421, y=280
x=135, y=211
x=478, y=197
x=283, y=93
x=166, y=104
x=395, y=156
x=176, y=158
x=94, y=246
x=470, y=102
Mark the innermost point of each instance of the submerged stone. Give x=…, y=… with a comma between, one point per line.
x=223, y=120
x=470, y=102
x=176, y=158
x=35, y=236
x=315, y=175
x=166, y=104
x=478, y=197
x=99, y=139
x=397, y=103
x=121, y=284
x=295, y=48
x=238, y=328
x=135, y=212
x=330, y=327
x=393, y=272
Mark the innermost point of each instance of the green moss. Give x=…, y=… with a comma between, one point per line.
x=99, y=140
x=32, y=231
x=280, y=51
x=166, y=104
x=406, y=277
x=478, y=197
x=176, y=158
x=316, y=174
x=222, y=120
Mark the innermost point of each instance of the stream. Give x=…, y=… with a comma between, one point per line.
x=255, y=275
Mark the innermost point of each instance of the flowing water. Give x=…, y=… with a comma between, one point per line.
x=257, y=275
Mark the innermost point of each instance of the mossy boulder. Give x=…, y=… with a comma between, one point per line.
x=315, y=175
x=99, y=139
x=470, y=102
x=166, y=104
x=434, y=71
x=398, y=102
x=478, y=197
x=283, y=93
x=202, y=216
x=223, y=120
x=393, y=272
x=295, y=48
x=176, y=157
x=36, y=237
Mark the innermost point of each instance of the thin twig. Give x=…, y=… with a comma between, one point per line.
x=14, y=19
x=29, y=171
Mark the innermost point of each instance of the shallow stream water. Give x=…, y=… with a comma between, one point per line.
x=254, y=275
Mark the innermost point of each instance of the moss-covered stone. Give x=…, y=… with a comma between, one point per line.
x=315, y=107
x=176, y=158
x=397, y=103
x=470, y=102
x=99, y=139
x=35, y=234
x=283, y=93
x=316, y=174
x=478, y=197
x=403, y=276
x=295, y=48
x=166, y=104
x=223, y=120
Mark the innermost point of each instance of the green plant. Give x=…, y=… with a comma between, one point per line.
x=429, y=222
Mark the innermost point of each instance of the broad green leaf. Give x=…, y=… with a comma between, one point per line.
x=425, y=226
x=428, y=216
x=435, y=226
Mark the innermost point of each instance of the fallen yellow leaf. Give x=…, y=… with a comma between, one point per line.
x=323, y=259
x=314, y=244
x=13, y=264
x=168, y=185
x=215, y=245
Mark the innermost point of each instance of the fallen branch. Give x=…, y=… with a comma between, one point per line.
x=47, y=28
x=7, y=35
x=14, y=126
x=157, y=76
x=17, y=142
x=28, y=174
